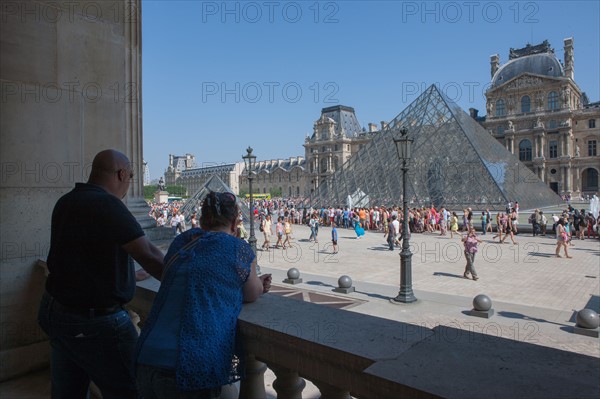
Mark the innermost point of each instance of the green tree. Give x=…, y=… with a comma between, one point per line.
x=275, y=192
x=149, y=192
x=175, y=191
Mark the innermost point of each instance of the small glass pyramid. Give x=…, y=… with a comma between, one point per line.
x=214, y=183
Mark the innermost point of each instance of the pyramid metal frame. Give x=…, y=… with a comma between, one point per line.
x=455, y=163
x=214, y=183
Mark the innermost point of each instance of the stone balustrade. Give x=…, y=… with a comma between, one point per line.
x=345, y=353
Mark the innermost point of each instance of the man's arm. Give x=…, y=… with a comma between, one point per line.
x=147, y=255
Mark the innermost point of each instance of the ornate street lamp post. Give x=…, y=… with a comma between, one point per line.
x=250, y=163
x=406, y=295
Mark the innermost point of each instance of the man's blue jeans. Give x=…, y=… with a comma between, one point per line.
x=99, y=349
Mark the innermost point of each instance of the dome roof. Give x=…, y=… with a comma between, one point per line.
x=538, y=64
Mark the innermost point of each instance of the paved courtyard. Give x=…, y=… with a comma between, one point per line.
x=535, y=295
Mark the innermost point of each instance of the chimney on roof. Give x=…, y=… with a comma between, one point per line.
x=495, y=63
x=383, y=125
x=473, y=112
x=372, y=127
x=569, y=60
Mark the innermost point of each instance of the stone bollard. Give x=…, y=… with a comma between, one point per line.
x=293, y=276
x=587, y=323
x=344, y=285
x=482, y=307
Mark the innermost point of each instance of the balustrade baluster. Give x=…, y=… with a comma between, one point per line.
x=288, y=384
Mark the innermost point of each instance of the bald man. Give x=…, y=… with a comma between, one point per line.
x=93, y=240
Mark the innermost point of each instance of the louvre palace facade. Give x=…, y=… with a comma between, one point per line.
x=539, y=113
x=535, y=109
x=337, y=135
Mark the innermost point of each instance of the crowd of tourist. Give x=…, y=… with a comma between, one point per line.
x=278, y=213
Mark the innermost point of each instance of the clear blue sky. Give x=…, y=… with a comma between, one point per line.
x=219, y=76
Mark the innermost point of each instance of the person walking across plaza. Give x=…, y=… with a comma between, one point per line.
x=392, y=233
x=265, y=227
x=279, y=232
x=470, y=241
x=287, y=228
x=453, y=224
x=91, y=276
x=314, y=228
x=334, y=239
x=562, y=238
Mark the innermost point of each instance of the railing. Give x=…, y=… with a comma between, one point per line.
x=345, y=353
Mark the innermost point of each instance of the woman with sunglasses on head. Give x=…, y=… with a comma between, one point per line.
x=187, y=346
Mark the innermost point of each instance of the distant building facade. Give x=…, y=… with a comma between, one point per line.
x=537, y=110
x=337, y=135
x=287, y=176
x=177, y=164
x=534, y=108
x=146, y=174
x=193, y=179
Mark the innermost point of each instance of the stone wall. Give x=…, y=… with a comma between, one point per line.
x=70, y=86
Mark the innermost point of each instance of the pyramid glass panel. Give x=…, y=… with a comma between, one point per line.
x=214, y=183
x=455, y=163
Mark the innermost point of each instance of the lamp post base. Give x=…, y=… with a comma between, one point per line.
x=404, y=298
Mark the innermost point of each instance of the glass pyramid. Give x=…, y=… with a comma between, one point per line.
x=455, y=162
x=214, y=183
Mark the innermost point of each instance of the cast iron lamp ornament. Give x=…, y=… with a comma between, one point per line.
x=406, y=295
x=250, y=163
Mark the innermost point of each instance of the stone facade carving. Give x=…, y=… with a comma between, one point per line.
x=510, y=104
x=568, y=132
x=539, y=101
x=539, y=123
x=524, y=82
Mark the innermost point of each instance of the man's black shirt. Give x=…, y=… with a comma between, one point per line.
x=88, y=268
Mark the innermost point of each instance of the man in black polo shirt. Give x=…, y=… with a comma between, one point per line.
x=93, y=238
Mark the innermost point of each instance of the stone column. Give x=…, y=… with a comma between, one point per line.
x=543, y=173
x=288, y=384
x=132, y=96
x=253, y=386
x=576, y=180
x=568, y=180
x=331, y=392
x=567, y=139
x=561, y=150
x=71, y=89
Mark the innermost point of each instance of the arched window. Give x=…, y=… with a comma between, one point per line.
x=500, y=108
x=500, y=130
x=589, y=179
x=553, y=100
x=323, y=165
x=525, y=104
x=335, y=163
x=298, y=191
x=290, y=191
x=525, y=150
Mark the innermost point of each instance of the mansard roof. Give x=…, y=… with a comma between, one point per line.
x=529, y=60
x=284, y=164
x=345, y=120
